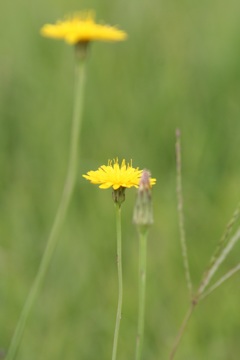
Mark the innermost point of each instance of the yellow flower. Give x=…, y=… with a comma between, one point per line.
x=116, y=176
x=82, y=28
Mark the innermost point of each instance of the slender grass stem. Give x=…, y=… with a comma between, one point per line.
x=218, y=261
x=142, y=290
x=183, y=244
x=60, y=214
x=225, y=277
x=225, y=238
x=120, y=286
x=180, y=214
x=219, y=250
x=181, y=331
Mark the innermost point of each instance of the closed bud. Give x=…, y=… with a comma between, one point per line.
x=143, y=213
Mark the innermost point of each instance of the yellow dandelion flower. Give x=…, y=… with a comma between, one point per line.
x=82, y=28
x=116, y=176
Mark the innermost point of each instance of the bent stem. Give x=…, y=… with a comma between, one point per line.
x=120, y=286
x=61, y=211
x=142, y=288
x=181, y=330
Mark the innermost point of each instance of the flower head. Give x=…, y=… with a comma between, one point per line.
x=116, y=176
x=143, y=213
x=82, y=28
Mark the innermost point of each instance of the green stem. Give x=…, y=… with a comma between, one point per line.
x=229, y=274
x=142, y=288
x=222, y=245
x=182, y=330
x=181, y=215
x=120, y=287
x=209, y=274
x=60, y=215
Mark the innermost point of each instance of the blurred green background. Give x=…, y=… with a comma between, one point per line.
x=178, y=68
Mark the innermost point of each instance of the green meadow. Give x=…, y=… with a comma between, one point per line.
x=179, y=68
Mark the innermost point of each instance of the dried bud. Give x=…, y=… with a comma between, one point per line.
x=143, y=214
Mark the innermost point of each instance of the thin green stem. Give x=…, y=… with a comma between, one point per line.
x=181, y=215
x=225, y=277
x=120, y=286
x=220, y=247
x=181, y=331
x=60, y=214
x=223, y=241
x=218, y=261
x=142, y=290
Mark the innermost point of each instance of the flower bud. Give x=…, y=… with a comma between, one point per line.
x=143, y=213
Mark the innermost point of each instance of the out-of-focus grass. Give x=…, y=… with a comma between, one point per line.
x=179, y=68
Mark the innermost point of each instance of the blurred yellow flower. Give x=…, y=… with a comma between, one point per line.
x=82, y=28
x=116, y=176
